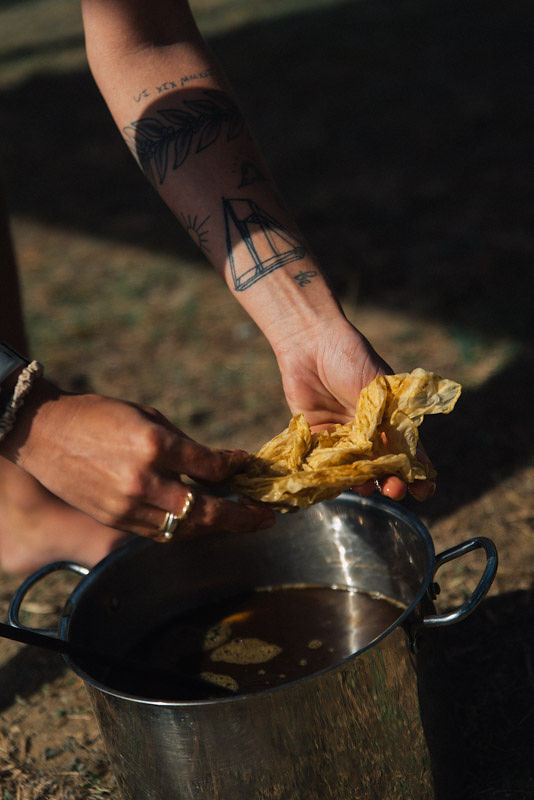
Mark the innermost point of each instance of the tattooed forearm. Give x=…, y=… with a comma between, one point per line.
x=178, y=83
x=268, y=244
x=166, y=139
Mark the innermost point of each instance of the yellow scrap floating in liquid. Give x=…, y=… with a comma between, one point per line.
x=298, y=468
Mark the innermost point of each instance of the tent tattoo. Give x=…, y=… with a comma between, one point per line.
x=268, y=244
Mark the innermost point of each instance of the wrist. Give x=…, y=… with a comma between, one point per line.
x=20, y=439
x=291, y=305
x=18, y=377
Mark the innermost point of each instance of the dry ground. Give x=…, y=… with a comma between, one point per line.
x=400, y=133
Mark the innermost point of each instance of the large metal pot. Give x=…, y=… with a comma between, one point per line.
x=350, y=732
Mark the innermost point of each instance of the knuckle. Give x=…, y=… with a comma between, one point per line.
x=134, y=485
x=220, y=465
x=120, y=510
x=211, y=513
x=151, y=443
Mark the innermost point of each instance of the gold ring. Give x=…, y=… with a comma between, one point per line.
x=187, y=506
x=172, y=520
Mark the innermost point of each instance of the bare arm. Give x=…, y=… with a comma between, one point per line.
x=179, y=118
x=177, y=113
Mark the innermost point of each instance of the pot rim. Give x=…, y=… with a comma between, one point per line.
x=393, y=508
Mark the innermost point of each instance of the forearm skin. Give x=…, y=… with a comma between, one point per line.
x=177, y=114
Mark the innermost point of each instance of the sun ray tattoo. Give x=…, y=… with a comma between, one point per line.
x=165, y=141
x=197, y=230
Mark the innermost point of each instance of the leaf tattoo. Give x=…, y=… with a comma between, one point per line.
x=166, y=141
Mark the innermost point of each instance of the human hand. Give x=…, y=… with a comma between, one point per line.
x=323, y=373
x=122, y=464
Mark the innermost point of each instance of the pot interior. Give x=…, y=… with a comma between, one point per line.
x=374, y=548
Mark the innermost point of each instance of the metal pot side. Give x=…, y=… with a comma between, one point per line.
x=351, y=732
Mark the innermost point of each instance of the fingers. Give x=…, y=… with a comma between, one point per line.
x=201, y=463
x=391, y=487
x=365, y=489
x=219, y=514
x=395, y=488
x=201, y=514
x=422, y=490
x=150, y=486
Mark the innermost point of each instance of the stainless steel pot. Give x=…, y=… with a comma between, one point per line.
x=350, y=732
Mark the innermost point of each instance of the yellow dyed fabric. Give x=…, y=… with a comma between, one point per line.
x=298, y=468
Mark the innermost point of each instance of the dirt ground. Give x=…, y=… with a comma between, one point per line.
x=400, y=133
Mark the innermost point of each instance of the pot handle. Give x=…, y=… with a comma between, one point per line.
x=18, y=597
x=437, y=620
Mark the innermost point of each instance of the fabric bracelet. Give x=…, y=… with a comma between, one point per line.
x=25, y=381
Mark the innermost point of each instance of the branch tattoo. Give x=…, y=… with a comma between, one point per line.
x=165, y=141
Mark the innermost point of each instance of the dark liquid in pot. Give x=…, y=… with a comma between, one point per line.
x=252, y=642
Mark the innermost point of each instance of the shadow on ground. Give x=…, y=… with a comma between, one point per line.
x=477, y=698
x=400, y=133
x=489, y=440
x=27, y=672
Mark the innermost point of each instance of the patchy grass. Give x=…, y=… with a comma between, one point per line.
x=389, y=127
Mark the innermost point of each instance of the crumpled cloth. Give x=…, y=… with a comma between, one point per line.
x=298, y=468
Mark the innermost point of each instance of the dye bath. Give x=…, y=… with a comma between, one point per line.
x=252, y=642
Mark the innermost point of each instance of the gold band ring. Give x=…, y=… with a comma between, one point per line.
x=172, y=520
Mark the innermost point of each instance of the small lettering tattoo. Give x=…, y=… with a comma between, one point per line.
x=139, y=97
x=166, y=140
x=303, y=278
x=166, y=86
x=188, y=78
x=269, y=245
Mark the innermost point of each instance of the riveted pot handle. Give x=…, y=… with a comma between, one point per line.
x=436, y=620
x=21, y=592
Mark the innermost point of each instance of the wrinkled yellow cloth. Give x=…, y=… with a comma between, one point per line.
x=298, y=468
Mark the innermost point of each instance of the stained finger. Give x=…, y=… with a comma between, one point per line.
x=204, y=513
x=190, y=458
x=216, y=513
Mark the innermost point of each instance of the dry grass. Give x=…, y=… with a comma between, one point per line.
x=405, y=173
